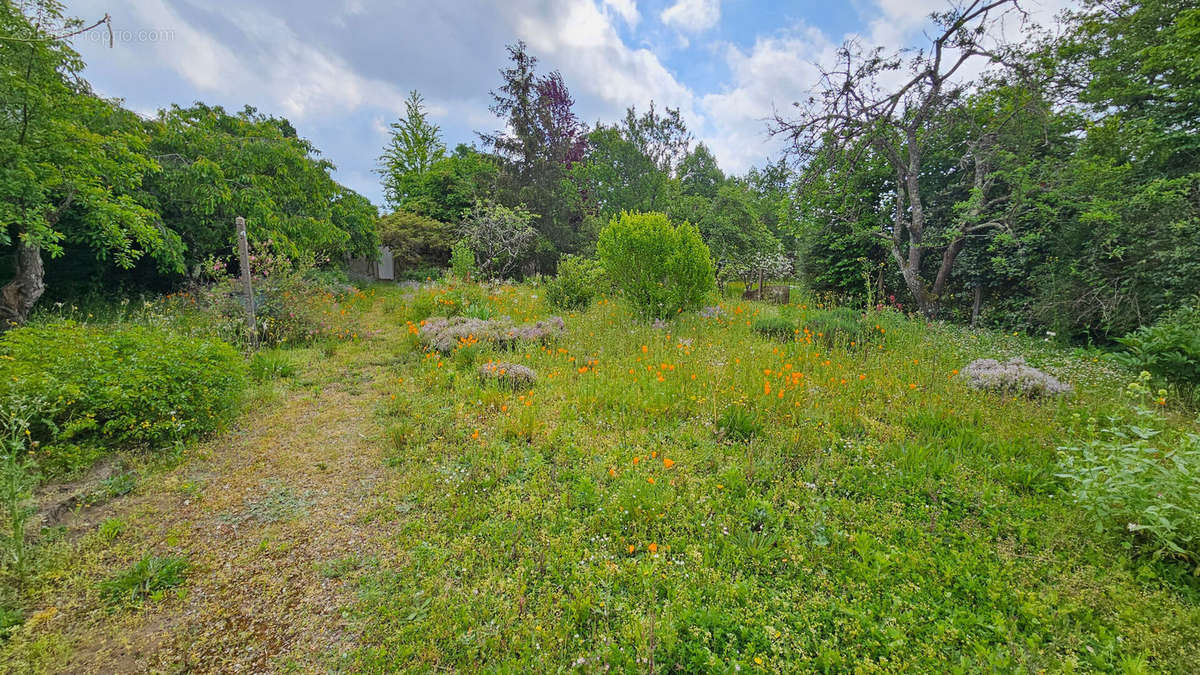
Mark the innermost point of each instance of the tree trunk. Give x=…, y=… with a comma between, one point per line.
x=18, y=297
x=976, y=305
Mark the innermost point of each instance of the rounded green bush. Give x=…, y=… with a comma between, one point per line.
x=579, y=280
x=661, y=268
x=111, y=386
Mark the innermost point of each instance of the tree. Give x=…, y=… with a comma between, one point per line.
x=630, y=165
x=661, y=268
x=699, y=174
x=501, y=237
x=857, y=110
x=1127, y=201
x=217, y=166
x=417, y=242
x=415, y=145
x=727, y=223
x=451, y=186
x=543, y=140
x=664, y=138
x=616, y=176
x=71, y=165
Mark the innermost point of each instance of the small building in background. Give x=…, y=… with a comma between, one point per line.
x=379, y=268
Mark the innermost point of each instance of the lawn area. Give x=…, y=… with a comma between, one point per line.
x=684, y=496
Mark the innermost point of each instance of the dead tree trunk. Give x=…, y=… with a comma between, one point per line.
x=18, y=296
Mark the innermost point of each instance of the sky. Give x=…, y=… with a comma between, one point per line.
x=341, y=69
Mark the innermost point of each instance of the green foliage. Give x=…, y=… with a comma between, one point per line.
x=738, y=423
x=284, y=191
x=502, y=238
x=462, y=261
x=707, y=640
x=18, y=477
x=295, y=303
x=416, y=144
x=661, y=268
x=117, y=385
x=1168, y=349
x=1140, y=479
x=775, y=327
x=74, y=164
x=270, y=365
x=840, y=325
x=541, y=140
x=148, y=579
x=417, y=242
x=450, y=187
x=579, y=280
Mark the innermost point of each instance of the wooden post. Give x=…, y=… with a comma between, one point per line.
x=244, y=254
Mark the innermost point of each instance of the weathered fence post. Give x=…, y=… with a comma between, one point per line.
x=244, y=254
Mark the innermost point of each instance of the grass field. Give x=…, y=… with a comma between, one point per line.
x=692, y=497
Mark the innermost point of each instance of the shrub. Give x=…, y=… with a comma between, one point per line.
x=146, y=579
x=501, y=237
x=509, y=375
x=1138, y=479
x=117, y=385
x=294, y=302
x=1012, y=377
x=417, y=242
x=661, y=268
x=462, y=261
x=1169, y=349
x=836, y=325
x=579, y=280
x=775, y=327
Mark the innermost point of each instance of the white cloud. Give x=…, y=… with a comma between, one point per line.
x=582, y=43
x=692, y=15
x=273, y=66
x=771, y=75
x=626, y=9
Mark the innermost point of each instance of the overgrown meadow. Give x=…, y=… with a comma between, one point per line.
x=690, y=495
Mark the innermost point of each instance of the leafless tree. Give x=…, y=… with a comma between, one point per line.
x=891, y=104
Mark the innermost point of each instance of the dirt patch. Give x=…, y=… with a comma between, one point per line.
x=258, y=512
x=62, y=501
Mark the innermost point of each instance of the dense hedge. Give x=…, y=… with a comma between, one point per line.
x=100, y=387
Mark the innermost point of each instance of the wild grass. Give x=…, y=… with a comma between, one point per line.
x=698, y=497
x=147, y=579
x=686, y=496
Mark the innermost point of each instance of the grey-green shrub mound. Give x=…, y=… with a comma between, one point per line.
x=444, y=334
x=510, y=375
x=1013, y=377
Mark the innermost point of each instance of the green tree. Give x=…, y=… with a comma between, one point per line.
x=898, y=107
x=451, y=186
x=1128, y=240
x=71, y=164
x=415, y=146
x=699, y=174
x=217, y=166
x=543, y=139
